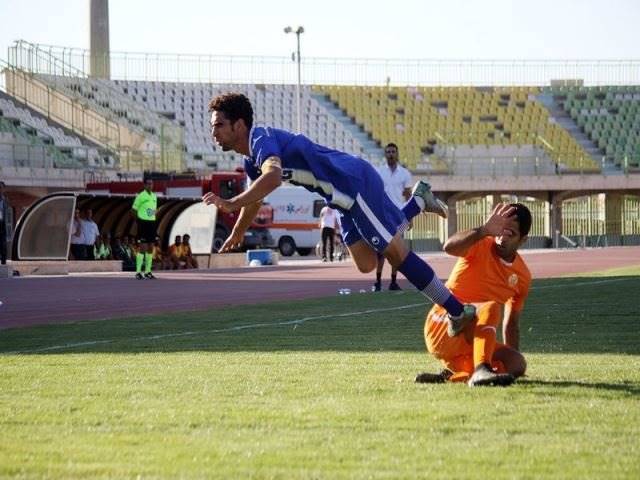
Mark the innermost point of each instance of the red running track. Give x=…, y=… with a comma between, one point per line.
x=41, y=300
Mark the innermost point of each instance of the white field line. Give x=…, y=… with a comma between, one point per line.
x=248, y=326
x=295, y=322
x=580, y=284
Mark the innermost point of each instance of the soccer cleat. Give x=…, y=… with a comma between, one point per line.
x=455, y=325
x=431, y=203
x=393, y=286
x=484, y=376
x=377, y=287
x=149, y=275
x=139, y=276
x=426, y=377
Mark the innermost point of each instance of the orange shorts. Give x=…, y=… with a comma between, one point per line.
x=456, y=353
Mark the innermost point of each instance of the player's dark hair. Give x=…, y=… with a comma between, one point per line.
x=524, y=218
x=392, y=145
x=235, y=106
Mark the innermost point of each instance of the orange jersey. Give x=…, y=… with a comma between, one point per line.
x=482, y=276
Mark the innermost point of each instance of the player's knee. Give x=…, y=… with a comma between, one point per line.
x=512, y=360
x=519, y=366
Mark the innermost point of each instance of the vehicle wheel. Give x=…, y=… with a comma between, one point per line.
x=287, y=246
x=219, y=237
x=303, y=252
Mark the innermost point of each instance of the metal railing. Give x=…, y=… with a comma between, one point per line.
x=349, y=71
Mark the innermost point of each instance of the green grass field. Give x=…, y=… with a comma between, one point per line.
x=324, y=389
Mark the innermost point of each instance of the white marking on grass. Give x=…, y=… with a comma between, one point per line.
x=236, y=328
x=580, y=284
x=295, y=322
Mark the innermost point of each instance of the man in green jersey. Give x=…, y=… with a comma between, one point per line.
x=144, y=208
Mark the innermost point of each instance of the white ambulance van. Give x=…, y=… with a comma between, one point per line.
x=296, y=219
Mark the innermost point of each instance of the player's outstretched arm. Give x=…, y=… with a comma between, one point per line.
x=235, y=240
x=263, y=186
x=502, y=217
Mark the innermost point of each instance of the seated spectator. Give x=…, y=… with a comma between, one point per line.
x=175, y=254
x=159, y=258
x=102, y=249
x=130, y=246
x=120, y=252
x=106, y=241
x=187, y=255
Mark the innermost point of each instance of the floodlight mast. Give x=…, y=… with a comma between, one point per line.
x=298, y=31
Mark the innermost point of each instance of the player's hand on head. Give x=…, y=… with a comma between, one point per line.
x=502, y=218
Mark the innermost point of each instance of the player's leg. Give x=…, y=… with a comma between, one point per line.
x=380, y=224
x=363, y=255
x=423, y=200
x=455, y=353
x=422, y=276
x=488, y=317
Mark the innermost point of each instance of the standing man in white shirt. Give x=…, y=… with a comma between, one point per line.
x=397, y=185
x=328, y=224
x=90, y=233
x=78, y=249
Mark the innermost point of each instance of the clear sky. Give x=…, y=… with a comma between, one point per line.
x=445, y=29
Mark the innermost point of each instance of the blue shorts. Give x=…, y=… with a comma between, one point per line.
x=373, y=217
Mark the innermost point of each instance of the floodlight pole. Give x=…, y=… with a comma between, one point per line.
x=297, y=31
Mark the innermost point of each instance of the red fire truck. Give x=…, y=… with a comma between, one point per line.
x=224, y=184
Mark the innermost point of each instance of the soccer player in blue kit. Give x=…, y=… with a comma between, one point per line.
x=371, y=222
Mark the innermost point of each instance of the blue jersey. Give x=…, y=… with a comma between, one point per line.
x=335, y=175
x=346, y=182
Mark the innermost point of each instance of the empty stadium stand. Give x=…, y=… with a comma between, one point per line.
x=41, y=137
x=274, y=105
x=608, y=115
x=429, y=123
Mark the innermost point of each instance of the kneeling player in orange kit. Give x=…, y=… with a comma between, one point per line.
x=492, y=275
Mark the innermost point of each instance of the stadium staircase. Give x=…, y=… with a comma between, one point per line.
x=562, y=118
